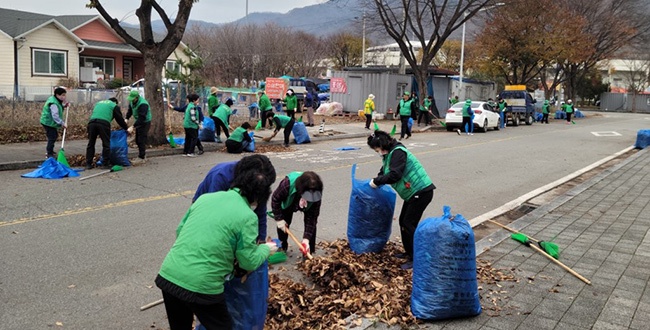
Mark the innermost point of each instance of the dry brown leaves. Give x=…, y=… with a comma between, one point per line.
x=37, y=133
x=492, y=292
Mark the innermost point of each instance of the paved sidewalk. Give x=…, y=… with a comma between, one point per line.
x=603, y=230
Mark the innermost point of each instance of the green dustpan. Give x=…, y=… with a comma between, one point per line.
x=278, y=257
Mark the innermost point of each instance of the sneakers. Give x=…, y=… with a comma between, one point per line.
x=458, y=131
x=189, y=155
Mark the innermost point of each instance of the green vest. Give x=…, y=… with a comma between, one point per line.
x=284, y=120
x=405, y=108
x=213, y=104
x=292, y=191
x=568, y=108
x=545, y=108
x=238, y=134
x=46, y=115
x=265, y=103
x=223, y=111
x=135, y=107
x=502, y=106
x=187, y=121
x=103, y=110
x=415, y=178
x=466, y=110
x=426, y=105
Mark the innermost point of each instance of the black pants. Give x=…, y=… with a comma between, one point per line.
x=264, y=118
x=141, y=138
x=102, y=129
x=234, y=147
x=568, y=117
x=368, y=120
x=405, y=126
x=545, y=118
x=291, y=114
x=410, y=216
x=180, y=314
x=282, y=236
x=287, y=131
x=218, y=125
x=51, y=133
x=467, y=121
x=425, y=115
x=191, y=136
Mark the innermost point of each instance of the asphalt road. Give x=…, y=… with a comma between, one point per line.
x=85, y=253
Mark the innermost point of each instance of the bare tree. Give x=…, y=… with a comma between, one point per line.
x=155, y=52
x=426, y=21
x=344, y=49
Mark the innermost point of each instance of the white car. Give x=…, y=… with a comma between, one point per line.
x=139, y=86
x=484, y=116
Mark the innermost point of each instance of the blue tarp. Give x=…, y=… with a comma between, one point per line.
x=444, y=269
x=51, y=169
x=179, y=141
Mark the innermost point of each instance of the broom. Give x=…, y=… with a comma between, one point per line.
x=549, y=247
x=521, y=238
x=172, y=143
x=115, y=168
x=61, y=156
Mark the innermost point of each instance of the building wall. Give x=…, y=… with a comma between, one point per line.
x=6, y=66
x=50, y=38
x=383, y=85
x=97, y=31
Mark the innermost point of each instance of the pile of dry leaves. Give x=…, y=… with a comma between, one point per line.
x=344, y=284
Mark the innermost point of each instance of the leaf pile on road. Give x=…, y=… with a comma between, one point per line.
x=493, y=294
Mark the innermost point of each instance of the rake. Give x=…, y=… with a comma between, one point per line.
x=550, y=248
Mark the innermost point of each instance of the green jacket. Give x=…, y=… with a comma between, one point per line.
x=208, y=242
x=223, y=112
x=191, y=119
x=213, y=104
x=291, y=101
x=46, y=114
x=405, y=107
x=238, y=134
x=265, y=103
x=415, y=178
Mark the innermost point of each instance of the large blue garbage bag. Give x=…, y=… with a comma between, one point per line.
x=300, y=133
x=560, y=114
x=207, y=133
x=539, y=116
x=444, y=269
x=251, y=146
x=119, y=149
x=578, y=114
x=370, y=215
x=642, y=139
x=51, y=169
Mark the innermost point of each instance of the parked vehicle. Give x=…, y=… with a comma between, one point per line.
x=521, y=105
x=485, y=116
x=174, y=88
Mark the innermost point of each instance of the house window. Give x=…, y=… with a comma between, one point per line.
x=105, y=64
x=173, y=66
x=49, y=62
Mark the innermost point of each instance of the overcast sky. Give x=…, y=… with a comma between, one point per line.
x=215, y=11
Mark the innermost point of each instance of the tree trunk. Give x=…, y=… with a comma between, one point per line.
x=153, y=91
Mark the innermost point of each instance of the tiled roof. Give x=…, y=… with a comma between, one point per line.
x=110, y=45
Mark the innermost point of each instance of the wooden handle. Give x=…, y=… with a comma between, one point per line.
x=151, y=304
x=297, y=242
x=94, y=175
x=559, y=263
x=512, y=230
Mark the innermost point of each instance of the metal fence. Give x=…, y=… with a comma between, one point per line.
x=618, y=102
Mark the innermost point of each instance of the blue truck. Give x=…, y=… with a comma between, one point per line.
x=521, y=105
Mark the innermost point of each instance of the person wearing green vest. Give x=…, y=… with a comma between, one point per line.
x=291, y=102
x=282, y=122
x=453, y=100
x=52, y=118
x=191, y=125
x=222, y=118
x=265, y=107
x=425, y=111
x=405, y=109
x=546, y=109
x=141, y=112
x=568, y=108
x=503, y=108
x=208, y=243
x=302, y=192
x=100, y=125
x=368, y=109
x=213, y=103
x=402, y=171
x=239, y=139
x=468, y=118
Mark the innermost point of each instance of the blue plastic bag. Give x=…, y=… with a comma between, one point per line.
x=642, y=139
x=119, y=149
x=560, y=114
x=207, y=133
x=300, y=133
x=410, y=123
x=51, y=169
x=370, y=215
x=251, y=146
x=444, y=269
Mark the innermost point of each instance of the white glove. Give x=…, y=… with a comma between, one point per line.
x=281, y=225
x=372, y=184
x=201, y=126
x=272, y=246
x=130, y=130
x=305, y=246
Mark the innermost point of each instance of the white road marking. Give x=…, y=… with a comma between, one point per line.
x=606, y=134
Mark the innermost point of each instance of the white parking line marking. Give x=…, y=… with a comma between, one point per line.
x=606, y=134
